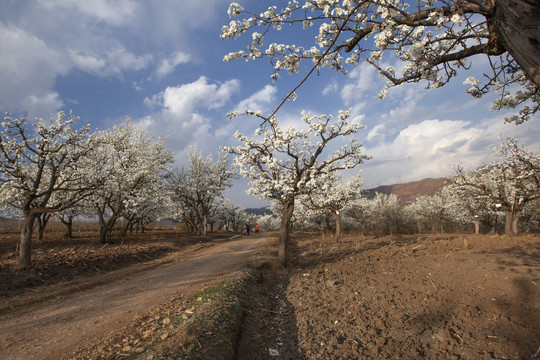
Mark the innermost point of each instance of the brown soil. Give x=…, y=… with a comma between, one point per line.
x=73, y=323
x=393, y=297
x=399, y=297
x=57, y=260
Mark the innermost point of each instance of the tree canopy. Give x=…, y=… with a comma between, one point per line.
x=509, y=184
x=285, y=164
x=432, y=41
x=40, y=170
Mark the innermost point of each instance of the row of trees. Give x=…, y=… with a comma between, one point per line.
x=386, y=214
x=504, y=192
x=123, y=173
x=51, y=168
x=509, y=187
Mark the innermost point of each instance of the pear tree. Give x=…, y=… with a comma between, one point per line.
x=130, y=163
x=284, y=164
x=510, y=183
x=333, y=194
x=42, y=170
x=199, y=189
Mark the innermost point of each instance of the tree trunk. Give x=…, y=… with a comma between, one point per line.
x=42, y=220
x=288, y=210
x=40, y=227
x=68, y=222
x=205, y=220
x=198, y=226
x=124, y=229
x=106, y=227
x=337, y=218
x=517, y=23
x=25, y=245
x=102, y=233
x=69, y=230
x=476, y=226
x=511, y=224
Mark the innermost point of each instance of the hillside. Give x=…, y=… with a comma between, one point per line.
x=408, y=192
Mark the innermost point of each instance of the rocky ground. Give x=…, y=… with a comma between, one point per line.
x=399, y=297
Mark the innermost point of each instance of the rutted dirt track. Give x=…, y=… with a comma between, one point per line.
x=52, y=330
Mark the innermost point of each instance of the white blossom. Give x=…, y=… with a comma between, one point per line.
x=427, y=37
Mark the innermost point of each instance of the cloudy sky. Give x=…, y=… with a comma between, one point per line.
x=160, y=63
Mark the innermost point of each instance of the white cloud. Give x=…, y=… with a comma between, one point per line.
x=428, y=149
x=332, y=87
x=184, y=98
x=42, y=106
x=376, y=133
x=28, y=70
x=126, y=60
x=258, y=101
x=168, y=65
x=182, y=111
x=432, y=148
x=87, y=62
x=108, y=11
x=112, y=63
x=363, y=79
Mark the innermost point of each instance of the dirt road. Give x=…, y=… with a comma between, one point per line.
x=54, y=329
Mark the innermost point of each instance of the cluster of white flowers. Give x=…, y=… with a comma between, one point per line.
x=283, y=163
x=51, y=167
x=507, y=184
x=423, y=37
x=38, y=161
x=129, y=164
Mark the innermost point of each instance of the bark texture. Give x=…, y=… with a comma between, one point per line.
x=288, y=210
x=518, y=24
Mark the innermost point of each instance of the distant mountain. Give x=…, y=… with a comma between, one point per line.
x=408, y=192
x=259, y=211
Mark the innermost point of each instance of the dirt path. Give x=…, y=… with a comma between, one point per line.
x=54, y=329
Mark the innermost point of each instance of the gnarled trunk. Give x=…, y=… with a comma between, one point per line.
x=25, y=244
x=105, y=227
x=518, y=23
x=337, y=219
x=204, y=226
x=42, y=221
x=511, y=225
x=68, y=222
x=288, y=210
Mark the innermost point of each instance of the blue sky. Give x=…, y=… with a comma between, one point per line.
x=160, y=63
